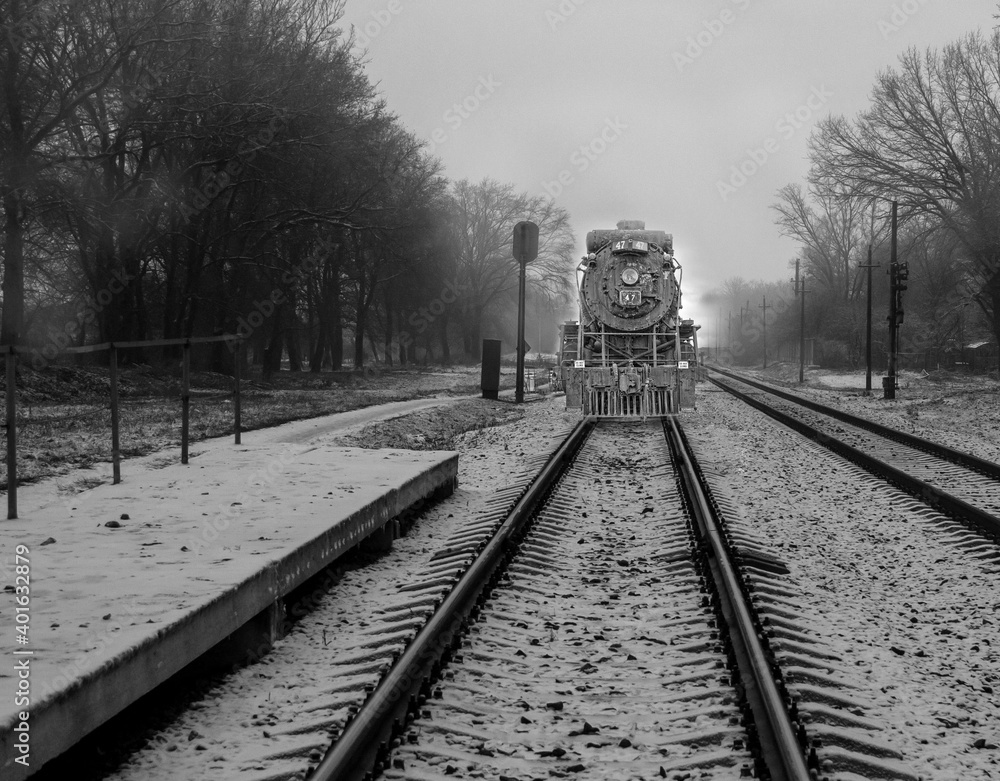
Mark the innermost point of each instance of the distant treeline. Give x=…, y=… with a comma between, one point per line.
x=931, y=142
x=174, y=168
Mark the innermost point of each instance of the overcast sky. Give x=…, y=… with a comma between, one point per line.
x=646, y=109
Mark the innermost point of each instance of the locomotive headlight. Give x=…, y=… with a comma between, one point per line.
x=630, y=276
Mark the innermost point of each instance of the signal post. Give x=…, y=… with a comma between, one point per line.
x=525, y=251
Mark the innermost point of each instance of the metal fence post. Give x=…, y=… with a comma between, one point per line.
x=185, y=400
x=238, y=355
x=116, y=452
x=11, y=359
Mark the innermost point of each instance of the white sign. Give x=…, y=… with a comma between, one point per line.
x=579, y=364
x=682, y=364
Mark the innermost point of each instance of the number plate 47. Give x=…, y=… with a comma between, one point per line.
x=630, y=297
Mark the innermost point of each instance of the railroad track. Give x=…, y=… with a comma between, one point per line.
x=626, y=634
x=956, y=483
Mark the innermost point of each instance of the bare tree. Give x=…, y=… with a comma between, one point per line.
x=833, y=227
x=931, y=141
x=484, y=216
x=53, y=57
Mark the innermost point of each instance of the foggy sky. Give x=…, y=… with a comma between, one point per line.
x=688, y=115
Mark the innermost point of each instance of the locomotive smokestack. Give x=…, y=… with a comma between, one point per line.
x=631, y=225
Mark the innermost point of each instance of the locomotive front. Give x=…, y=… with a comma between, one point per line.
x=630, y=354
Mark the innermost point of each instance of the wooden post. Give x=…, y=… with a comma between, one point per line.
x=11, y=358
x=116, y=452
x=185, y=400
x=238, y=355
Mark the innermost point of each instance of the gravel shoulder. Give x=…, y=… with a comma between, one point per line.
x=908, y=598
x=960, y=411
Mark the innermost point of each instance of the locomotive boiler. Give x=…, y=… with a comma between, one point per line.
x=630, y=354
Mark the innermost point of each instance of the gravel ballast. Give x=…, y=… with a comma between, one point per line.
x=908, y=595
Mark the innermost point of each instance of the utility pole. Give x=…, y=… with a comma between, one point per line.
x=868, y=326
x=897, y=274
x=764, y=306
x=525, y=250
x=718, y=338
x=800, y=290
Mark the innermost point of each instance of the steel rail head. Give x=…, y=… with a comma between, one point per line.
x=780, y=747
x=931, y=495
x=369, y=732
x=968, y=460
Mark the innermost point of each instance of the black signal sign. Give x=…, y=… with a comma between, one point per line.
x=525, y=241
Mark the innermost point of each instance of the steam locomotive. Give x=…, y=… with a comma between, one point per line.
x=630, y=355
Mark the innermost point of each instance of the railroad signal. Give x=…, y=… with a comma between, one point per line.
x=902, y=274
x=525, y=241
x=525, y=250
x=899, y=273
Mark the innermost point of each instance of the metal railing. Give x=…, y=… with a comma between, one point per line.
x=11, y=353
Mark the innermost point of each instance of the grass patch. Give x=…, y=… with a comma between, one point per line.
x=64, y=414
x=433, y=429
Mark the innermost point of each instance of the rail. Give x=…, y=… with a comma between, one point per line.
x=368, y=734
x=922, y=490
x=780, y=748
x=934, y=448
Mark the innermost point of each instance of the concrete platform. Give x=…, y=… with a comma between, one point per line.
x=130, y=583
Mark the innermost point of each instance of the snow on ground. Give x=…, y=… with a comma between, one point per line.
x=894, y=586
x=226, y=732
x=961, y=411
x=867, y=595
